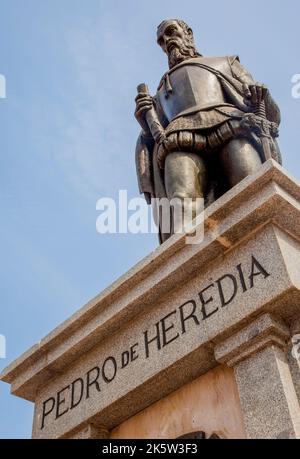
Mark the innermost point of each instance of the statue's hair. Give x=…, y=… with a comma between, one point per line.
x=182, y=24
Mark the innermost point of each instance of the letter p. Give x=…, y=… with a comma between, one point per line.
x=47, y=410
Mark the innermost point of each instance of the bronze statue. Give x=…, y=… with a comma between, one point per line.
x=208, y=127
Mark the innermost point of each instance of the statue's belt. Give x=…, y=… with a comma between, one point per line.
x=200, y=108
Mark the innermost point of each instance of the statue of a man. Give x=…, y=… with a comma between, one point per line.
x=208, y=127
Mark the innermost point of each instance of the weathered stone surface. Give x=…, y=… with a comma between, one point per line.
x=262, y=332
x=90, y=432
x=294, y=353
x=156, y=328
x=265, y=383
x=267, y=394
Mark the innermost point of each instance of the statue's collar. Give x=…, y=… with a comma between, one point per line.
x=185, y=62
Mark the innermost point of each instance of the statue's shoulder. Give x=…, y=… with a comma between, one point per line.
x=217, y=61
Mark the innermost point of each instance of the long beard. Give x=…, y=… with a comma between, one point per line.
x=178, y=55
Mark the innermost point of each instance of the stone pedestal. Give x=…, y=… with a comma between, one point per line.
x=258, y=354
x=195, y=338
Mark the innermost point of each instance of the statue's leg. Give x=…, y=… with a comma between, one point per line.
x=185, y=179
x=239, y=159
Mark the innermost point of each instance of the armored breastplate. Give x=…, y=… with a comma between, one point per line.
x=192, y=88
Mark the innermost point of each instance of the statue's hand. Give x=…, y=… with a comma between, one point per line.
x=144, y=103
x=254, y=94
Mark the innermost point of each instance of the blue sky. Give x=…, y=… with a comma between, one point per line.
x=67, y=138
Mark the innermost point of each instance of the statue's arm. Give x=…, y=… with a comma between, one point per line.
x=160, y=113
x=144, y=167
x=245, y=77
x=240, y=72
x=145, y=145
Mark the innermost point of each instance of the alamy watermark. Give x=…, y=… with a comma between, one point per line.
x=2, y=87
x=296, y=86
x=176, y=216
x=296, y=347
x=2, y=347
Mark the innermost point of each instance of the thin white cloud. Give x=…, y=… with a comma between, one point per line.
x=86, y=129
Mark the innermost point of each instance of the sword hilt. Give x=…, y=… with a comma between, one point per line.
x=261, y=111
x=260, y=108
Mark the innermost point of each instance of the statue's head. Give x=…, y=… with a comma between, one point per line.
x=176, y=39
